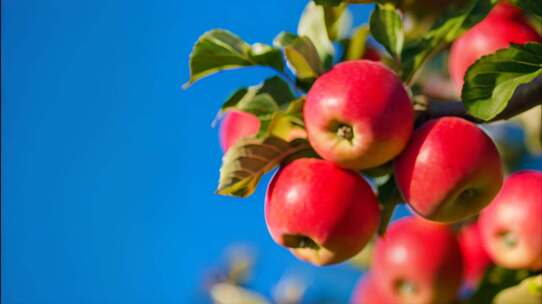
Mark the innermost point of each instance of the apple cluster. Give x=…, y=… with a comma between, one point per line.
x=359, y=116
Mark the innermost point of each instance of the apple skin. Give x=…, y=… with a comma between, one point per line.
x=358, y=115
x=515, y=215
x=236, y=125
x=506, y=10
x=418, y=261
x=475, y=257
x=497, y=31
x=368, y=292
x=323, y=213
x=450, y=170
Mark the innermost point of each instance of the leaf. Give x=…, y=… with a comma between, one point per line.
x=338, y=21
x=287, y=123
x=364, y=258
x=219, y=50
x=492, y=80
x=301, y=55
x=245, y=163
x=447, y=29
x=262, y=99
x=387, y=28
x=312, y=25
x=530, y=6
x=227, y=293
x=266, y=55
x=529, y=291
x=388, y=197
x=328, y=2
x=495, y=280
x=357, y=45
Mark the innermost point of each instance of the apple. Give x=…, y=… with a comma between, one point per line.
x=475, y=257
x=511, y=226
x=236, y=125
x=323, y=213
x=368, y=292
x=418, y=261
x=495, y=32
x=358, y=115
x=504, y=9
x=450, y=170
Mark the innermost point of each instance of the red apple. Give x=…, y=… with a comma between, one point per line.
x=450, y=170
x=236, y=125
x=475, y=257
x=358, y=115
x=324, y=214
x=418, y=261
x=511, y=226
x=504, y=9
x=368, y=292
x=494, y=32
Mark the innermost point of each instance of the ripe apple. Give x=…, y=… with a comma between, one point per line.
x=323, y=213
x=475, y=257
x=358, y=115
x=495, y=32
x=504, y=9
x=236, y=125
x=450, y=170
x=511, y=226
x=418, y=261
x=368, y=292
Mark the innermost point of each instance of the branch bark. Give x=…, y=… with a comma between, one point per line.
x=526, y=97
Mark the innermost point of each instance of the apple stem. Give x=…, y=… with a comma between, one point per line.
x=345, y=132
x=509, y=239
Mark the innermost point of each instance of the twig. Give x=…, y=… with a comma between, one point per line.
x=526, y=97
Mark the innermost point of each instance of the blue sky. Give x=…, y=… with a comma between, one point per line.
x=109, y=168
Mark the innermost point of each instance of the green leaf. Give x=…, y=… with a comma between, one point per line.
x=388, y=197
x=228, y=293
x=262, y=99
x=447, y=29
x=530, y=6
x=219, y=50
x=529, y=291
x=312, y=25
x=266, y=55
x=328, y=2
x=357, y=45
x=301, y=55
x=387, y=28
x=495, y=280
x=244, y=164
x=338, y=21
x=492, y=80
x=284, y=123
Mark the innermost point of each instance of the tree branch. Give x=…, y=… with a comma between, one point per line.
x=525, y=97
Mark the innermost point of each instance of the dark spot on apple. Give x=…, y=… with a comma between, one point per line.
x=298, y=241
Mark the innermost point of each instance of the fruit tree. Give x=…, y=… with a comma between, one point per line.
x=359, y=120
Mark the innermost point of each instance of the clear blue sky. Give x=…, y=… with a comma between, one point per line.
x=109, y=168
